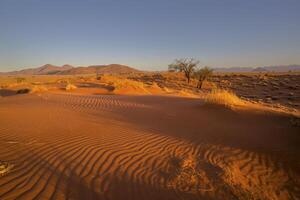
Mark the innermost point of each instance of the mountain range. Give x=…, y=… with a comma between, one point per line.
x=278, y=68
x=49, y=69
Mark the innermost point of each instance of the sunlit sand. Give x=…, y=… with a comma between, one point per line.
x=144, y=136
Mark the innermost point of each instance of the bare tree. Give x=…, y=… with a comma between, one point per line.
x=186, y=65
x=201, y=75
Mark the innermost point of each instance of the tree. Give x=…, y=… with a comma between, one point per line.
x=202, y=74
x=186, y=65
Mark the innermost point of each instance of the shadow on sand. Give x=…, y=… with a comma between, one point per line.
x=7, y=93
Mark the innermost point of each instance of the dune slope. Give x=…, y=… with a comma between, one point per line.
x=58, y=146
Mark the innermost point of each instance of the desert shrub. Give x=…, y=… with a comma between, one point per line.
x=167, y=90
x=201, y=75
x=70, y=86
x=223, y=97
x=40, y=88
x=23, y=91
x=5, y=168
x=124, y=85
x=225, y=82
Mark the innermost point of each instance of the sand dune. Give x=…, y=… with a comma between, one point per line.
x=65, y=146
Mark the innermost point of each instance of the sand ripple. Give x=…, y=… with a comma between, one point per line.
x=61, y=149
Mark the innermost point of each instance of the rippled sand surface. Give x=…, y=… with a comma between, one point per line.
x=63, y=146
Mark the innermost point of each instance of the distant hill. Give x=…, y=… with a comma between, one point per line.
x=43, y=70
x=234, y=69
x=260, y=69
x=101, y=69
x=279, y=68
x=49, y=69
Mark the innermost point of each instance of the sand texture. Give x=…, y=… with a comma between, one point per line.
x=67, y=146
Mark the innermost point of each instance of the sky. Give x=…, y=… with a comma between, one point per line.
x=148, y=34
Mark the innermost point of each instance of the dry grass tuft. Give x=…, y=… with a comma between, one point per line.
x=70, y=87
x=5, y=168
x=124, y=85
x=223, y=97
x=38, y=89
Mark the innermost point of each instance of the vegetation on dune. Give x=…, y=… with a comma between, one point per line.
x=185, y=65
x=190, y=68
x=70, y=86
x=278, y=91
x=123, y=85
x=5, y=168
x=223, y=97
x=38, y=89
x=202, y=74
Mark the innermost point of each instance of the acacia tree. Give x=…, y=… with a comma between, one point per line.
x=185, y=65
x=202, y=74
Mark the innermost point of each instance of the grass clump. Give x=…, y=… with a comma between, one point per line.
x=70, y=87
x=223, y=97
x=39, y=89
x=5, y=168
x=123, y=85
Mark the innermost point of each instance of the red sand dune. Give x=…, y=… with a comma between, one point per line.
x=63, y=146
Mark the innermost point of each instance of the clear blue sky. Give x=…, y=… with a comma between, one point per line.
x=148, y=34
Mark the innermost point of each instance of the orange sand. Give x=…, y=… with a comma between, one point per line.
x=65, y=146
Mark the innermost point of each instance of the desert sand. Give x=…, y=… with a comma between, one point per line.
x=79, y=146
x=149, y=100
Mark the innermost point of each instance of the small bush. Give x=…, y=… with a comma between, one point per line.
x=5, y=168
x=70, y=87
x=38, y=89
x=201, y=75
x=223, y=97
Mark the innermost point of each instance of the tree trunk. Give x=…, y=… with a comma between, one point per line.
x=199, y=84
